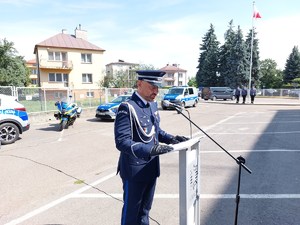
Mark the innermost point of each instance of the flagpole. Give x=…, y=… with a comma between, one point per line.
x=251, y=52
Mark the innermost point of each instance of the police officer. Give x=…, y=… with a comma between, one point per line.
x=138, y=137
x=244, y=94
x=237, y=94
x=252, y=94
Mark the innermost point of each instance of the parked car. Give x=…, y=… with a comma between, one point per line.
x=215, y=93
x=13, y=119
x=271, y=92
x=109, y=110
x=294, y=93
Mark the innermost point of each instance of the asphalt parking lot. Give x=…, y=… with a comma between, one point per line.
x=69, y=177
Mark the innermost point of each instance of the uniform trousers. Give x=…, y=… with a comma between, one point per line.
x=252, y=98
x=138, y=198
x=244, y=98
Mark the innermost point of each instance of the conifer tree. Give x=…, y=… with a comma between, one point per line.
x=255, y=57
x=292, y=66
x=233, y=58
x=207, y=74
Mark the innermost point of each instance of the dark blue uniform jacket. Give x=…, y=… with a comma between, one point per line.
x=134, y=140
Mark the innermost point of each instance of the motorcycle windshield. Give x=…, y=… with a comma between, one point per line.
x=65, y=102
x=64, y=105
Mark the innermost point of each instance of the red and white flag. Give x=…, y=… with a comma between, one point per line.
x=256, y=14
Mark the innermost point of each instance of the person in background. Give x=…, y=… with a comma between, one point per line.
x=138, y=136
x=252, y=94
x=237, y=94
x=244, y=94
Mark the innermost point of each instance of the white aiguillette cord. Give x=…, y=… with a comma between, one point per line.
x=137, y=122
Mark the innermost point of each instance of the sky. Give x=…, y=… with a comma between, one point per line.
x=152, y=32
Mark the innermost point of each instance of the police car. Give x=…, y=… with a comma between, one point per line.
x=184, y=96
x=109, y=110
x=13, y=119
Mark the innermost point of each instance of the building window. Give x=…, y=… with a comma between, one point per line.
x=87, y=78
x=57, y=56
x=58, y=95
x=58, y=77
x=51, y=77
x=34, y=71
x=170, y=75
x=90, y=94
x=86, y=58
x=34, y=81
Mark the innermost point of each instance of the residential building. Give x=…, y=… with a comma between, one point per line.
x=32, y=66
x=71, y=61
x=175, y=76
x=121, y=68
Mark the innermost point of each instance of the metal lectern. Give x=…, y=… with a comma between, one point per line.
x=189, y=181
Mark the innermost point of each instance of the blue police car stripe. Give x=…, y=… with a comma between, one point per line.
x=22, y=114
x=125, y=202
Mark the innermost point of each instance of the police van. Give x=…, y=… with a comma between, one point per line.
x=184, y=96
x=215, y=93
x=13, y=119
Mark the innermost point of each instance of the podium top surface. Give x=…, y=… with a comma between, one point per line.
x=185, y=145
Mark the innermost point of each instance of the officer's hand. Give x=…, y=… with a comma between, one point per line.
x=160, y=149
x=177, y=139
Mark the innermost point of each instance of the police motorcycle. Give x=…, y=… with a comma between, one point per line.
x=67, y=113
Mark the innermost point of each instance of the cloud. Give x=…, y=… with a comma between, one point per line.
x=160, y=43
x=19, y=3
x=277, y=37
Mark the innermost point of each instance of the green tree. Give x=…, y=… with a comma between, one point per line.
x=139, y=67
x=255, y=57
x=270, y=76
x=192, y=82
x=296, y=82
x=292, y=66
x=124, y=78
x=207, y=74
x=13, y=71
x=233, y=58
x=145, y=67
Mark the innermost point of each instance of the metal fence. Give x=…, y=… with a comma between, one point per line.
x=43, y=99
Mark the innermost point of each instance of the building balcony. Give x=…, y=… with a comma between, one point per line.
x=64, y=65
x=169, y=79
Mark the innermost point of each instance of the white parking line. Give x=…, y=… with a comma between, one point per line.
x=200, y=133
x=78, y=193
x=58, y=201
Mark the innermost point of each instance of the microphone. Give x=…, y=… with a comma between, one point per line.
x=168, y=104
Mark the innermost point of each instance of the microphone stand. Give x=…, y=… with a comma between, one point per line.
x=239, y=160
x=180, y=108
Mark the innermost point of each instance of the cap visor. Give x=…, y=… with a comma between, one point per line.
x=155, y=84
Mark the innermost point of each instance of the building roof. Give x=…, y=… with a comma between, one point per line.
x=62, y=40
x=31, y=61
x=122, y=62
x=172, y=68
